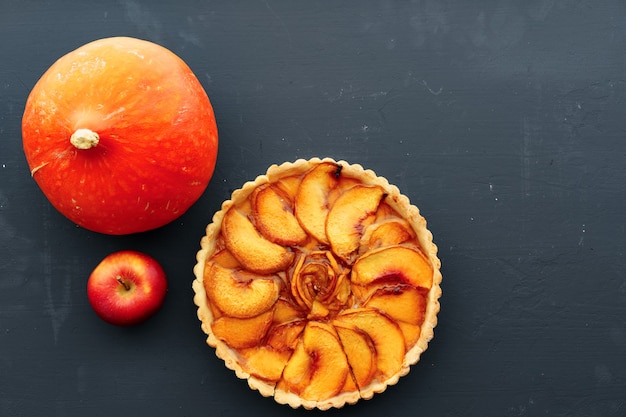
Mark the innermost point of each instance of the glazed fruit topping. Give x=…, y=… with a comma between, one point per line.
x=318, y=284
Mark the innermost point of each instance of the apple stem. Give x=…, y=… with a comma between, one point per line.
x=84, y=139
x=121, y=281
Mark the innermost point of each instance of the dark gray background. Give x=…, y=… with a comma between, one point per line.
x=504, y=121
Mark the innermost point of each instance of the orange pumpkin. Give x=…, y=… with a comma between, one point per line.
x=120, y=136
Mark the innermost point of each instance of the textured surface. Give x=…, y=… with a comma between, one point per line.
x=501, y=120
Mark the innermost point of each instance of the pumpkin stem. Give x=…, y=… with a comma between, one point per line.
x=84, y=139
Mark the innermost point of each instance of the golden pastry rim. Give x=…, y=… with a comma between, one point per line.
x=399, y=202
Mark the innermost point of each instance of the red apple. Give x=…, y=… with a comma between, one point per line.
x=127, y=287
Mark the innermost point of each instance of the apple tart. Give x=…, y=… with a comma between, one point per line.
x=319, y=283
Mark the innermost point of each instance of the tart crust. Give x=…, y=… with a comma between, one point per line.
x=399, y=202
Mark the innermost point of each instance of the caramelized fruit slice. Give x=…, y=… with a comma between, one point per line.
x=318, y=368
x=225, y=259
x=360, y=351
x=351, y=213
x=388, y=233
x=286, y=311
x=406, y=305
x=228, y=288
x=250, y=248
x=289, y=185
x=265, y=362
x=386, y=334
x=400, y=302
x=386, y=212
x=285, y=336
x=411, y=333
x=274, y=218
x=312, y=198
x=393, y=264
x=242, y=333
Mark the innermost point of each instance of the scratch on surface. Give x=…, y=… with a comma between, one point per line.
x=433, y=92
x=281, y=21
x=20, y=81
x=114, y=113
x=305, y=133
x=145, y=20
x=58, y=308
x=582, y=237
x=525, y=157
x=58, y=311
x=37, y=168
